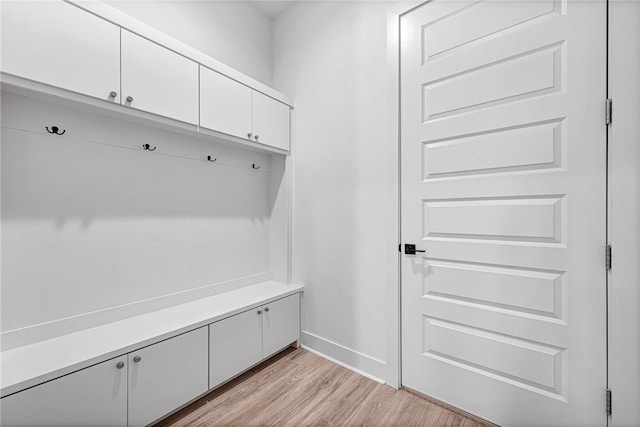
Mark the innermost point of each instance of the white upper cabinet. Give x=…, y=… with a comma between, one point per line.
x=95, y=396
x=166, y=375
x=158, y=80
x=61, y=45
x=270, y=121
x=225, y=105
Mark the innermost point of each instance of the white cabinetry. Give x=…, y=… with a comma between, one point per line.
x=95, y=396
x=157, y=80
x=235, y=344
x=235, y=109
x=280, y=324
x=225, y=105
x=164, y=376
x=241, y=341
x=61, y=45
x=270, y=123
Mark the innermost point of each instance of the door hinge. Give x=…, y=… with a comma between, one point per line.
x=608, y=114
x=607, y=257
x=608, y=402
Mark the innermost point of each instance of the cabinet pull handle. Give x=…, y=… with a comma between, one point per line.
x=249, y=135
x=120, y=365
x=129, y=99
x=256, y=137
x=259, y=311
x=266, y=309
x=137, y=359
x=113, y=94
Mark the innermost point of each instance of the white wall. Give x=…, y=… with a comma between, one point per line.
x=233, y=32
x=95, y=229
x=333, y=59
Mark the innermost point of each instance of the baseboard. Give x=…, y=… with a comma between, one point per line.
x=55, y=328
x=353, y=360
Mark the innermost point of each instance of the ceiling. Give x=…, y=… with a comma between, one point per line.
x=272, y=8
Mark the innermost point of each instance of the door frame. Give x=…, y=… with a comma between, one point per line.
x=623, y=176
x=624, y=211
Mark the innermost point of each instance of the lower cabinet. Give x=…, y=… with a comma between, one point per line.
x=235, y=344
x=280, y=324
x=241, y=341
x=166, y=375
x=95, y=396
x=139, y=388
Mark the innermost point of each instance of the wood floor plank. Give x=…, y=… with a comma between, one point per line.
x=298, y=388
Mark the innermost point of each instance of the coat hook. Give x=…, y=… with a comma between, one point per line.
x=210, y=159
x=253, y=165
x=54, y=129
x=148, y=147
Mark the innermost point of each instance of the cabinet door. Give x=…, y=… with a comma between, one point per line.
x=95, y=396
x=164, y=376
x=158, y=80
x=235, y=345
x=225, y=105
x=280, y=324
x=270, y=121
x=61, y=45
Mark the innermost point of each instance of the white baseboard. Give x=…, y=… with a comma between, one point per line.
x=353, y=360
x=55, y=328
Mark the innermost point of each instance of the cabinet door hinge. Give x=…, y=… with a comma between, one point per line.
x=608, y=114
x=608, y=402
x=607, y=257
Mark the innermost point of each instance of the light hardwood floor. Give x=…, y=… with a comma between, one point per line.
x=298, y=388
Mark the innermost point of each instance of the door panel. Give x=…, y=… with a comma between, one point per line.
x=225, y=105
x=235, y=344
x=280, y=324
x=59, y=44
x=503, y=185
x=167, y=375
x=158, y=80
x=270, y=121
x=95, y=396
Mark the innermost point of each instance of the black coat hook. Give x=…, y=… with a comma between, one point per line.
x=211, y=159
x=148, y=147
x=253, y=165
x=54, y=129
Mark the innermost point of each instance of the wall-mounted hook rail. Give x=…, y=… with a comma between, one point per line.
x=148, y=147
x=211, y=159
x=54, y=129
x=254, y=166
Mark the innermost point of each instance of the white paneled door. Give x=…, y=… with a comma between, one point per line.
x=504, y=188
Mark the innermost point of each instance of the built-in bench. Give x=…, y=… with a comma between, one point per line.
x=228, y=326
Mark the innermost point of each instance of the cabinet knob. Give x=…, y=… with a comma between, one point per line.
x=256, y=137
x=259, y=311
x=266, y=309
x=129, y=99
x=249, y=135
x=120, y=365
x=113, y=94
x=137, y=359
